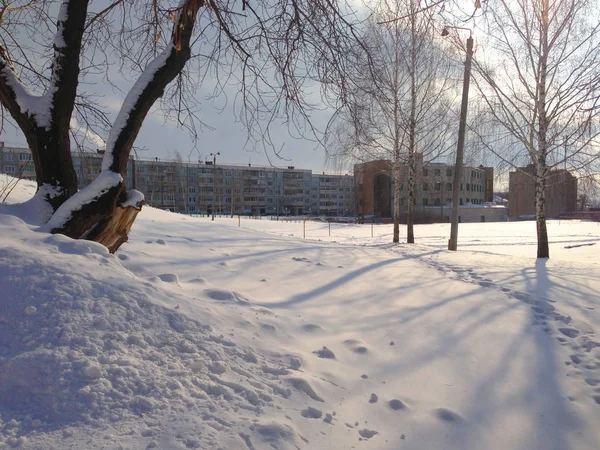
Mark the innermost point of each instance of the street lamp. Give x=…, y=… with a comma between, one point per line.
x=453, y=241
x=214, y=155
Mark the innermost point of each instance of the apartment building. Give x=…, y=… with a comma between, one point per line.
x=202, y=188
x=561, y=193
x=332, y=195
x=434, y=185
x=16, y=162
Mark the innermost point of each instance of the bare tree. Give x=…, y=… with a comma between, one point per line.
x=270, y=49
x=402, y=103
x=588, y=191
x=540, y=82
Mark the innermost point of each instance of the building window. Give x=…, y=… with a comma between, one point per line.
x=448, y=186
x=425, y=172
x=437, y=172
x=448, y=172
x=425, y=202
x=24, y=156
x=8, y=157
x=438, y=186
x=9, y=169
x=425, y=187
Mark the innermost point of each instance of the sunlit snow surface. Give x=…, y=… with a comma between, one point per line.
x=202, y=334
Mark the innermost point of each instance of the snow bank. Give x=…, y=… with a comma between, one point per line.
x=86, y=346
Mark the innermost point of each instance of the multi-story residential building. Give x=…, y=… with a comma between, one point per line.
x=16, y=162
x=433, y=194
x=561, y=193
x=203, y=187
x=332, y=195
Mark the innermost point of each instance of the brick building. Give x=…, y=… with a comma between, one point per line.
x=561, y=193
x=375, y=189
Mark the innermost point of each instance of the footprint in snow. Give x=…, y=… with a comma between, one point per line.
x=268, y=327
x=198, y=280
x=296, y=258
x=324, y=353
x=311, y=327
x=169, y=278
x=396, y=404
x=356, y=346
x=447, y=415
x=222, y=295
x=311, y=413
x=570, y=332
x=367, y=434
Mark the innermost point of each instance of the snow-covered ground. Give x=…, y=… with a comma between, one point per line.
x=201, y=334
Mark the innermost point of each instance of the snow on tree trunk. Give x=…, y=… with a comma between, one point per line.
x=45, y=119
x=104, y=211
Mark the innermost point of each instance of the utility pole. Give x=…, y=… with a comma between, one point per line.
x=453, y=241
x=214, y=155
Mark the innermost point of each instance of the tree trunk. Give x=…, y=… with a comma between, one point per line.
x=46, y=122
x=543, y=250
x=55, y=175
x=541, y=166
x=115, y=231
x=98, y=212
x=410, y=211
x=412, y=130
x=396, y=175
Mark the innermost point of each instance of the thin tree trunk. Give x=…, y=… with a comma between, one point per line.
x=396, y=175
x=410, y=212
x=540, y=210
x=541, y=166
x=396, y=166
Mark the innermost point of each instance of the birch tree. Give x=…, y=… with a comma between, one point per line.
x=540, y=78
x=402, y=103
x=268, y=49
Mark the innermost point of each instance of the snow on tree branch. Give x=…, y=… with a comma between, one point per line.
x=21, y=104
x=146, y=90
x=150, y=86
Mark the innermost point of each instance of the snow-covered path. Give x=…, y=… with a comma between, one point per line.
x=200, y=334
